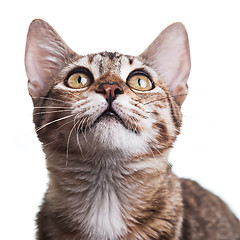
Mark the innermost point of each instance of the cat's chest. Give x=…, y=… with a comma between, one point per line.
x=105, y=216
x=98, y=200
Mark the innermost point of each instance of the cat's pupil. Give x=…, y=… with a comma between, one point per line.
x=142, y=83
x=79, y=79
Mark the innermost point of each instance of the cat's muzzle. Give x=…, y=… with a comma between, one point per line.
x=110, y=113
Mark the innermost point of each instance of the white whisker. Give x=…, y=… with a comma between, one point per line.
x=53, y=99
x=64, y=124
x=57, y=120
x=83, y=120
x=78, y=141
x=68, y=140
x=52, y=154
x=52, y=107
x=156, y=160
x=58, y=111
x=46, y=144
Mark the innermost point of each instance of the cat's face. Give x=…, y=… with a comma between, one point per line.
x=108, y=101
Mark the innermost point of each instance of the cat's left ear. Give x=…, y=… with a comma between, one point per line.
x=169, y=53
x=46, y=53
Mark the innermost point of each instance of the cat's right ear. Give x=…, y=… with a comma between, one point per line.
x=45, y=54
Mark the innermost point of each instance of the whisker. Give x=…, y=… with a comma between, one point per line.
x=68, y=141
x=46, y=144
x=93, y=150
x=155, y=159
x=78, y=141
x=52, y=112
x=84, y=133
x=160, y=99
x=52, y=154
x=156, y=100
x=57, y=120
x=53, y=99
x=87, y=126
x=52, y=107
x=64, y=124
x=177, y=114
x=164, y=158
x=72, y=98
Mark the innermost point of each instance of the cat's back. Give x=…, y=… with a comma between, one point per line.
x=206, y=216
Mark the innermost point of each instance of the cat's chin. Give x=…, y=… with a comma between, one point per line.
x=110, y=133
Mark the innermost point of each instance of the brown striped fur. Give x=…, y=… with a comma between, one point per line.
x=109, y=176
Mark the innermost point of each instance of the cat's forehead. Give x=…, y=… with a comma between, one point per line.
x=103, y=62
x=107, y=61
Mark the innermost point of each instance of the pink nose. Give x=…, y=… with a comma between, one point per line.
x=110, y=91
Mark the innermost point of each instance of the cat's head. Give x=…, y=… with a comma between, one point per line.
x=107, y=101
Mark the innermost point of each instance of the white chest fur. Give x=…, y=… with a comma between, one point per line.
x=104, y=220
x=97, y=199
x=101, y=196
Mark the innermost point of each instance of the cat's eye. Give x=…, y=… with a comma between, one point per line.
x=78, y=81
x=140, y=82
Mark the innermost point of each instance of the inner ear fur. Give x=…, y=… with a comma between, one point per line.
x=46, y=53
x=170, y=55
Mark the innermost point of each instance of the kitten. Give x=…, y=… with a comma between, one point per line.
x=107, y=122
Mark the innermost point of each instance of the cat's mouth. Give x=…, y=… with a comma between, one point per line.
x=109, y=117
x=110, y=113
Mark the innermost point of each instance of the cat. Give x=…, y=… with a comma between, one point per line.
x=107, y=123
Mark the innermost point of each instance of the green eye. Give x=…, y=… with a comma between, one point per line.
x=140, y=82
x=78, y=80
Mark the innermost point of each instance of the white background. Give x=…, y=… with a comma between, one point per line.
x=207, y=150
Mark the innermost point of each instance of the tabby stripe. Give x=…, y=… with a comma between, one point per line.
x=175, y=119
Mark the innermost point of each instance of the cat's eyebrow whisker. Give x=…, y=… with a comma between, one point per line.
x=56, y=120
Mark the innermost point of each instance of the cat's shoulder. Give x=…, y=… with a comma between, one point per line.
x=205, y=210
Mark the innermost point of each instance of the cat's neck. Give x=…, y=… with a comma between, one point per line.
x=103, y=192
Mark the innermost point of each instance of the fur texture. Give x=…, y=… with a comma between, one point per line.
x=107, y=143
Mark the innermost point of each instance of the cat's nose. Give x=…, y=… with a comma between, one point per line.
x=110, y=91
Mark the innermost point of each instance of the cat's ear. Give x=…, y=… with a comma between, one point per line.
x=169, y=54
x=45, y=54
